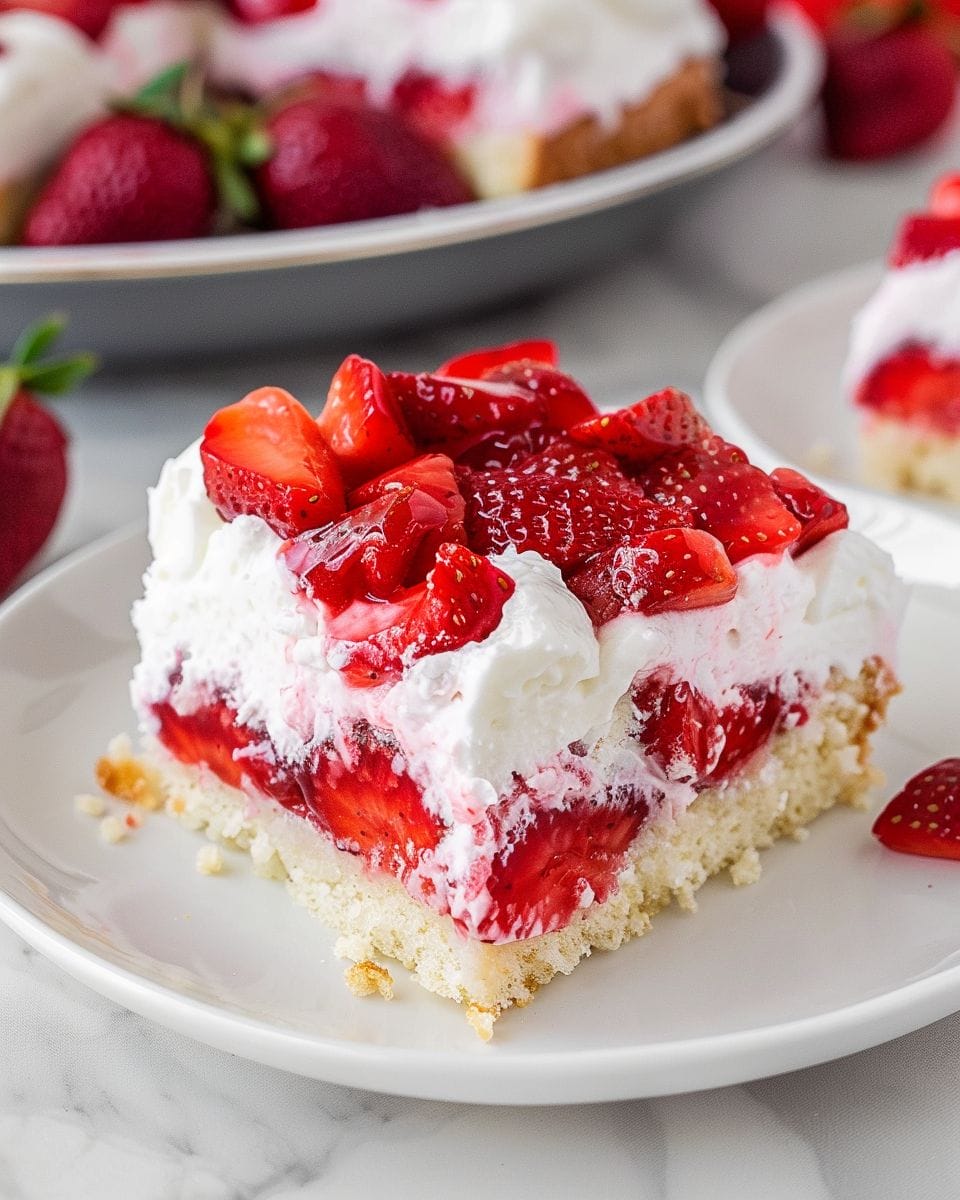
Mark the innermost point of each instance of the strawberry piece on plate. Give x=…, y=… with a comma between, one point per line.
x=362, y=422
x=660, y=571
x=444, y=411
x=646, y=430
x=924, y=818
x=265, y=457
x=921, y=238
x=565, y=402
x=478, y=362
x=818, y=513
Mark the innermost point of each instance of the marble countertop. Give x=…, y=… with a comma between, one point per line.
x=96, y=1102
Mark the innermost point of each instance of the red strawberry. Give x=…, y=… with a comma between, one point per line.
x=493, y=450
x=254, y=12
x=362, y=422
x=443, y=410
x=660, y=571
x=945, y=196
x=335, y=162
x=462, y=601
x=717, y=491
x=921, y=238
x=33, y=463
x=563, y=857
x=434, y=108
x=90, y=16
x=818, y=513
x=478, y=362
x=915, y=384
x=564, y=520
x=566, y=460
x=886, y=94
x=563, y=398
x=265, y=457
x=924, y=818
x=749, y=723
x=646, y=430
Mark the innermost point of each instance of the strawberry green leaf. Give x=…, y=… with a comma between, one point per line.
x=236, y=191
x=56, y=378
x=34, y=342
x=9, y=386
x=165, y=85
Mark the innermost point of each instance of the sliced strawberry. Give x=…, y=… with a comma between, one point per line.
x=441, y=410
x=922, y=238
x=462, y=601
x=362, y=423
x=255, y=12
x=750, y=722
x=563, y=398
x=661, y=571
x=646, y=430
x=565, y=858
x=433, y=107
x=565, y=520
x=817, y=512
x=566, y=460
x=493, y=450
x=369, y=552
x=731, y=499
x=478, y=362
x=924, y=818
x=945, y=196
x=917, y=385
x=265, y=457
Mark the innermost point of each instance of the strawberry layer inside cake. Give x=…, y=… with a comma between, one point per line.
x=489, y=676
x=903, y=368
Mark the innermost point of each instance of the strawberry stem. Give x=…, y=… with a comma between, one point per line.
x=27, y=368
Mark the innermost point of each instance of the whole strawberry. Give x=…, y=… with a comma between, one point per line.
x=335, y=161
x=90, y=16
x=33, y=467
x=161, y=169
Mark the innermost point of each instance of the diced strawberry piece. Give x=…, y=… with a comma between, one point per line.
x=921, y=238
x=749, y=723
x=493, y=451
x=564, y=400
x=441, y=410
x=362, y=422
x=924, y=818
x=817, y=512
x=255, y=12
x=566, y=858
x=646, y=430
x=945, y=196
x=660, y=571
x=565, y=520
x=478, y=362
x=434, y=108
x=462, y=601
x=566, y=460
x=679, y=728
x=731, y=499
x=916, y=385
x=265, y=457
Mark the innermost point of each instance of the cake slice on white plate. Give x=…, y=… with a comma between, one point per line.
x=489, y=677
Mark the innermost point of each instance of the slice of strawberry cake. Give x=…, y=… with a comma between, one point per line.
x=903, y=367
x=489, y=677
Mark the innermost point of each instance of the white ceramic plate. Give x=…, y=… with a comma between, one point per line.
x=236, y=292
x=841, y=945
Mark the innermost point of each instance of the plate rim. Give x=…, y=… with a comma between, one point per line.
x=790, y=93
x=527, y=1077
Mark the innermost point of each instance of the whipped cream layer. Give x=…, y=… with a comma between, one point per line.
x=918, y=303
x=53, y=81
x=537, y=64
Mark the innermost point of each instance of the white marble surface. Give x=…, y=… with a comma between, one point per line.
x=95, y=1102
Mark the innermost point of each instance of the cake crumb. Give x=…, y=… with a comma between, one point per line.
x=800, y=834
x=89, y=804
x=112, y=830
x=482, y=1020
x=747, y=869
x=122, y=776
x=686, y=897
x=210, y=860
x=368, y=978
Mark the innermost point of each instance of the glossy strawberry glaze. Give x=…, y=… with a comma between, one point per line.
x=546, y=867
x=915, y=385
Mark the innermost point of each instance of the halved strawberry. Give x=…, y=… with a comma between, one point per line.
x=661, y=571
x=362, y=422
x=565, y=402
x=945, y=196
x=915, y=384
x=566, y=460
x=565, y=520
x=441, y=410
x=817, y=512
x=265, y=457
x=646, y=430
x=493, y=450
x=461, y=601
x=475, y=364
x=924, y=818
x=563, y=859
x=922, y=238
x=369, y=552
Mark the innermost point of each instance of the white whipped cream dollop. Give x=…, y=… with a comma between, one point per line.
x=53, y=82
x=537, y=63
x=916, y=303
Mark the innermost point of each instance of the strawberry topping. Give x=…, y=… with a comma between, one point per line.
x=646, y=430
x=921, y=238
x=564, y=400
x=818, y=513
x=441, y=410
x=945, y=196
x=917, y=385
x=477, y=363
x=265, y=457
x=924, y=818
